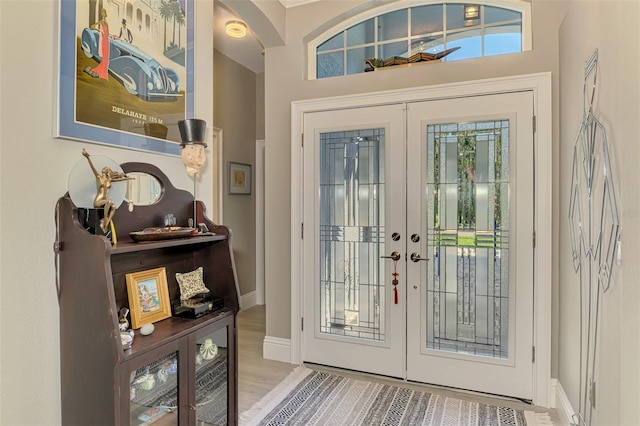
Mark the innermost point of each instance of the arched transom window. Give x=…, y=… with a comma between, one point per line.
x=467, y=30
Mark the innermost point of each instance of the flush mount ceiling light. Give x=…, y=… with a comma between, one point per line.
x=471, y=11
x=236, y=29
x=471, y=15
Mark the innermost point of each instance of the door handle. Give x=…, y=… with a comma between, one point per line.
x=415, y=257
x=395, y=256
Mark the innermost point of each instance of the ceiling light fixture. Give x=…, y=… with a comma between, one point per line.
x=236, y=29
x=471, y=15
x=471, y=11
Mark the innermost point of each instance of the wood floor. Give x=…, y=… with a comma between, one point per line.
x=257, y=376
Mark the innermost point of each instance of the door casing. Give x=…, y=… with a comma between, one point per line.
x=540, y=84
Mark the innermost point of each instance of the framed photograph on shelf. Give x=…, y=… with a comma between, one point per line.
x=126, y=78
x=148, y=296
x=239, y=178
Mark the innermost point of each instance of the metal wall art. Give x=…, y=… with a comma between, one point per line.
x=594, y=233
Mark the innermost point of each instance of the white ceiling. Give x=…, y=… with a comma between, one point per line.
x=247, y=51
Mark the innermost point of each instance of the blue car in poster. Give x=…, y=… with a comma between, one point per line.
x=138, y=72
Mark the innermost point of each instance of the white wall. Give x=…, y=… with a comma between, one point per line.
x=612, y=28
x=33, y=175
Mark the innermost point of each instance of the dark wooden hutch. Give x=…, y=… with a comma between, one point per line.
x=162, y=378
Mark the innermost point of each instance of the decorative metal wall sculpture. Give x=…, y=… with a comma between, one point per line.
x=594, y=232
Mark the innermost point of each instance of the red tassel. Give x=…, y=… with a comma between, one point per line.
x=395, y=295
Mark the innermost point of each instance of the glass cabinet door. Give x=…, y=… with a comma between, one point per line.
x=154, y=388
x=211, y=377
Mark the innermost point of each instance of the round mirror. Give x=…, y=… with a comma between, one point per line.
x=144, y=190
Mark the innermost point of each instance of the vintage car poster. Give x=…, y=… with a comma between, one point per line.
x=126, y=72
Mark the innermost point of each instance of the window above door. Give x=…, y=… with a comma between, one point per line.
x=402, y=29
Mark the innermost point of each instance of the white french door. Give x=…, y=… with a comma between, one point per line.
x=353, y=196
x=418, y=256
x=470, y=194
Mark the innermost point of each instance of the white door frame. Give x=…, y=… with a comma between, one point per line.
x=216, y=149
x=259, y=161
x=540, y=84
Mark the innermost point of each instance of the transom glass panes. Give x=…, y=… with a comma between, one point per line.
x=362, y=33
x=503, y=39
x=356, y=57
x=352, y=232
x=335, y=42
x=393, y=25
x=427, y=44
x=393, y=49
x=426, y=19
x=330, y=64
x=470, y=43
x=455, y=16
x=493, y=15
x=468, y=238
x=477, y=29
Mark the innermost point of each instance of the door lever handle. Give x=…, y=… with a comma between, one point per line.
x=415, y=257
x=395, y=256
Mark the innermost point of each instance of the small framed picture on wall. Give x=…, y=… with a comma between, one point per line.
x=239, y=178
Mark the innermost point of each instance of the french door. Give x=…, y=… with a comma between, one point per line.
x=418, y=255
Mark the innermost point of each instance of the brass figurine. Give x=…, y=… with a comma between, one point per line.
x=103, y=184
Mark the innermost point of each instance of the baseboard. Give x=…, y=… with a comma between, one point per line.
x=563, y=406
x=276, y=349
x=248, y=300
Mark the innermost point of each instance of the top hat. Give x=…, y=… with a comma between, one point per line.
x=192, y=131
x=124, y=21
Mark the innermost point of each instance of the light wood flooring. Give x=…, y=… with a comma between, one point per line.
x=257, y=376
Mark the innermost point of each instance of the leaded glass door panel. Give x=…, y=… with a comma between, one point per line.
x=470, y=191
x=354, y=203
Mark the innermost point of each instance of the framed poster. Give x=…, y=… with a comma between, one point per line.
x=126, y=72
x=239, y=178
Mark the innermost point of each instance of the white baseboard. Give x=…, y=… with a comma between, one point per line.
x=248, y=300
x=563, y=405
x=276, y=349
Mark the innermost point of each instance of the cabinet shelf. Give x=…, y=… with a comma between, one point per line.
x=172, y=329
x=101, y=382
x=128, y=246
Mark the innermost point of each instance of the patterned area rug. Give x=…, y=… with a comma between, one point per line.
x=310, y=397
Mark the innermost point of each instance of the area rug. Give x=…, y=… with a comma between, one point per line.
x=309, y=397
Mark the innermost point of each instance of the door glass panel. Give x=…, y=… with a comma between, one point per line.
x=211, y=379
x=468, y=222
x=352, y=219
x=153, y=390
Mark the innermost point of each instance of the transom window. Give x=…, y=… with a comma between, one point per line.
x=477, y=29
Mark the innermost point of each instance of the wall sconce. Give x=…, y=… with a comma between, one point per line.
x=236, y=29
x=471, y=14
